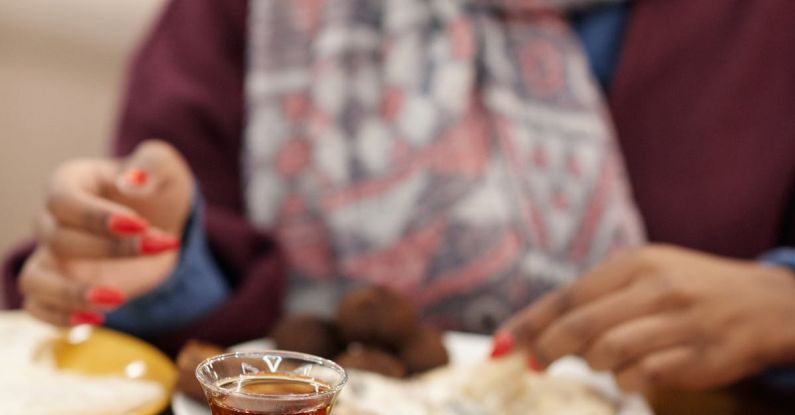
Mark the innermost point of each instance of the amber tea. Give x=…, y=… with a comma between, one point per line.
x=271, y=385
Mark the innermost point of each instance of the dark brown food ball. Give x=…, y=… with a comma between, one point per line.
x=424, y=350
x=307, y=334
x=377, y=316
x=362, y=357
x=193, y=353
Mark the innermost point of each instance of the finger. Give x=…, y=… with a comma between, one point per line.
x=157, y=183
x=42, y=283
x=99, y=216
x=75, y=200
x=665, y=367
x=144, y=171
x=45, y=226
x=60, y=317
x=73, y=243
x=523, y=327
x=613, y=274
x=45, y=312
x=136, y=181
x=573, y=332
x=631, y=341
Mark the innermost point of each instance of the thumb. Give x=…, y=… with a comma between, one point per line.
x=149, y=165
x=135, y=182
x=156, y=182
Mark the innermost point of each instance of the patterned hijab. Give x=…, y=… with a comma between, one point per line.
x=456, y=150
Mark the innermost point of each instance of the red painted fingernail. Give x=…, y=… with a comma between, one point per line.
x=126, y=225
x=155, y=244
x=86, y=317
x=104, y=296
x=503, y=344
x=533, y=364
x=136, y=177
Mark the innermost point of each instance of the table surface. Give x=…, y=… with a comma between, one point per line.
x=747, y=399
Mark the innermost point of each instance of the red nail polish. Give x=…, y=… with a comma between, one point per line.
x=104, y=296
x=503, y=344
x=533, y=364
x=125, y=225
x=136, y=177
x=86, y=317
x=155, y=244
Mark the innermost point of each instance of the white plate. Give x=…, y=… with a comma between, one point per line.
x=467, y=348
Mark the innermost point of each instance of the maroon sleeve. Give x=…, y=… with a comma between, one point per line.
x=186, y=87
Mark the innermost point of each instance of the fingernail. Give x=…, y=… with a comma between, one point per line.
x=136, y=177
x=155, y=244
x=533, y=364
x=104, y=296
x=86, y=317
x=126, y=225
x=503, y=344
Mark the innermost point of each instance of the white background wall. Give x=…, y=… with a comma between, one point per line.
x=61, y=69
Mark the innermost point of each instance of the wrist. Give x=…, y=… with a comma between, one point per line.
x=781, y=323
x=781, y=262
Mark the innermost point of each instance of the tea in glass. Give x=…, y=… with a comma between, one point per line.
x=270, y=383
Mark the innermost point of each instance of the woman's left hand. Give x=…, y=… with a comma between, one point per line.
x=667, y=316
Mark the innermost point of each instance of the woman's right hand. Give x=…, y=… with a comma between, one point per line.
x=109, y=232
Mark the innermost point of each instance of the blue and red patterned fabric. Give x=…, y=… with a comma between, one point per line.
x=458, y=151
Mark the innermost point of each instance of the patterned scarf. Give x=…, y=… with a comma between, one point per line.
x=455, y=150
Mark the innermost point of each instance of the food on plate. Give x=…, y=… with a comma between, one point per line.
x=502, y=386
x=308, y=334
x=423, y=350
x=193, y=353
x=361, y=357
x=378, y=316
x=375, y=330
x=381, y=328
x=31, y=382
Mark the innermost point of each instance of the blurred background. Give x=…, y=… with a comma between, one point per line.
x=62, y=65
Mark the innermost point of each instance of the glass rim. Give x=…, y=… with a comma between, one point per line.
x=333, y=390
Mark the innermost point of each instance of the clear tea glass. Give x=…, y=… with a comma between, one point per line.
x=272, y=382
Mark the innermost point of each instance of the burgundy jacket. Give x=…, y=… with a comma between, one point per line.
x=703, y=100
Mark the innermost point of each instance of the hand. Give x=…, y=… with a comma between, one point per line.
x=666, y=316
x=110, y=231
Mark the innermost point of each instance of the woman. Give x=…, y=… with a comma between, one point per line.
x=458, y=151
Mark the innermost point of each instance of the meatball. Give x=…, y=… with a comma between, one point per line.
x=424, y=350
x=308, y=334
x=362, y=357
x=377, y=316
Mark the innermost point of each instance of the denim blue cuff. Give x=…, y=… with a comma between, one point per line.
x=783, y=257
x=601, y=31
x=195, y=288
